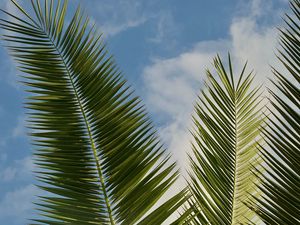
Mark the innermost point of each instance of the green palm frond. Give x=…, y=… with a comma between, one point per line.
x=281, y=186
x=99, y=157
x=227, y=121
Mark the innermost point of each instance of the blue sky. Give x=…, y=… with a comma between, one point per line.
x=163, y=48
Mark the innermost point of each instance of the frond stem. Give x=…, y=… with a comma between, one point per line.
x=235, y=159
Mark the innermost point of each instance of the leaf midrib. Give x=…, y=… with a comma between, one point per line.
x=88, y=129
x=235, y=159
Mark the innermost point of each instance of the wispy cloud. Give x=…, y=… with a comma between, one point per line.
x=18, y=170
x=16, y=206
x=165, y=27
x=116, y=16
x=17, y=131
x=111, y=29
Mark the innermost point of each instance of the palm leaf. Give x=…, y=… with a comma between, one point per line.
x=281, y=185
x=227, y=121
x=99, y=158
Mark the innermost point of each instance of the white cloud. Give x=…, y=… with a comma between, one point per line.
x=172, y=84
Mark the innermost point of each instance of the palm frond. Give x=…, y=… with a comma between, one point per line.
x=99, y=157
x=227, y=121
x=281, y=185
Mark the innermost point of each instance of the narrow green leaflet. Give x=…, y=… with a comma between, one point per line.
x=99, y=159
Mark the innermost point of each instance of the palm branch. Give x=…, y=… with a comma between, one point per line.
x=227, y=120
x=281, y=185
x=99, y=158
